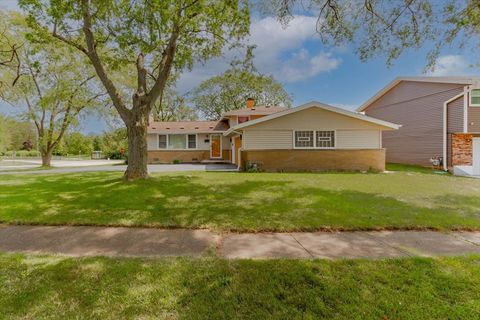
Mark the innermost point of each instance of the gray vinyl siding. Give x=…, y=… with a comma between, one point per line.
x=455, y=116
x=474, y=119
x=418, y=107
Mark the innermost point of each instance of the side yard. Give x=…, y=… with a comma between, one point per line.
x=226, y=201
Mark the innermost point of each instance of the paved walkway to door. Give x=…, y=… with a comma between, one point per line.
x=145, y=242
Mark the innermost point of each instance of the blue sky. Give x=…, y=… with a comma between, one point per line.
x=310, y=71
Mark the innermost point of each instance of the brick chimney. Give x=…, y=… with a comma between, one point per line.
x=250, y=103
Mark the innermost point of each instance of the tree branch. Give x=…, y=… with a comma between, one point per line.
x=97, y=64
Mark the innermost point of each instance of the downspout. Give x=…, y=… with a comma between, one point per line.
x=445, y=123
x=445, y=164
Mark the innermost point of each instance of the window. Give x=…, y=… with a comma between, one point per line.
x=304, y=139
x=177, y=141
x=475, y=97
x=325, y=139
x=315, y=139
x=192, y=141
x=162, y=141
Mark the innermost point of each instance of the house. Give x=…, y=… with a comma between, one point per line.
x=311, y=137
x=440, y=117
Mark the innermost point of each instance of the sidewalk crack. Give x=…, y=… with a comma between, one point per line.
x=301, y=245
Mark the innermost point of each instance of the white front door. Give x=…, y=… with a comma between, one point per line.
x=476, y=156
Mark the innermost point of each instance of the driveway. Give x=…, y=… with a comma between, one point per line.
x=151, y=168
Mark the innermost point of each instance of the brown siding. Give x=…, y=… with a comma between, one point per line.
x=418, y=107
x=168, y=156
x=474, y=119
x=455, y=116
x=315, y=160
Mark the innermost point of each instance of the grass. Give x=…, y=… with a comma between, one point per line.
x=244, y=202
x=412, y=168
x=33, y=287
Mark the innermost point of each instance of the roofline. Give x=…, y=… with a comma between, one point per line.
x=184, y=132
x=317, y=105
x=397, y=80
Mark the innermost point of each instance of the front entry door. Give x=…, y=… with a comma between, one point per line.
x=215, y=146
x=476, y=156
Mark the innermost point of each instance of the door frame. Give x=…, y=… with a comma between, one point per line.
x=221, y=147
x=476, y=155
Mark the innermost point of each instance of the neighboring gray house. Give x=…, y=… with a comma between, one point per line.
x=440, y=117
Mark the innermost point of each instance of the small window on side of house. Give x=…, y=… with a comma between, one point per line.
x=325, y=139
x=475, y=97
x=162, y=141
x=304, y=139
x=192, y=141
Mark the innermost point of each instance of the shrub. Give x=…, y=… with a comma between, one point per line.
x=177, y=161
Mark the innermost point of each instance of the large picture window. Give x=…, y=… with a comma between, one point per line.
x=304, y=139
x=177, y=141
x=315, y=139
x=475, y=97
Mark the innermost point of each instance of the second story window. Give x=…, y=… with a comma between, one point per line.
x=475, y=97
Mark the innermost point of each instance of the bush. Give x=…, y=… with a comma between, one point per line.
x=22, y=153
x=116, y=155
x=177, y=161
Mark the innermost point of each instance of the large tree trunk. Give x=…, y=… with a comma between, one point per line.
x=46, y=157
x=137, y=146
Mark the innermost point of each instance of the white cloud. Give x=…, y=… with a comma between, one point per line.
x=280, y=51
x=303, y=66
x=450, y=65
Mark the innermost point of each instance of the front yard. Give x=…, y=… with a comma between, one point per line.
x=245, y=201
x=33, y=287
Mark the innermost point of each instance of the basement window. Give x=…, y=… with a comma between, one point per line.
x=475, y=97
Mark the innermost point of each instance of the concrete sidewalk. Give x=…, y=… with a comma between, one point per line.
x=145, y=242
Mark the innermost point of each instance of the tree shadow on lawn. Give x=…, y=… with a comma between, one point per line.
x=220, y=289
x=184, y=201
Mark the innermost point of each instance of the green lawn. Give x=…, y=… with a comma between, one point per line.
x=33, y=287
x=245, y=201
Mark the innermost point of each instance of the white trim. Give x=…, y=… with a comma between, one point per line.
x=221, y=146
x=388, y=87
x=444, y=129
x=168, y=140
x=475, y=105
x=315, y=141
x=315, y=104
x=465, y=109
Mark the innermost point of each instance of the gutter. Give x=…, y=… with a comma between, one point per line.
x=445, y=123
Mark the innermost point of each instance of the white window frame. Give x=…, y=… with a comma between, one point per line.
x=471, y=96
x=315, y=141
x=186, y=141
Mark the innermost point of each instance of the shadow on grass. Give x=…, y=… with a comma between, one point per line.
x=37, y=287
x=248, y=205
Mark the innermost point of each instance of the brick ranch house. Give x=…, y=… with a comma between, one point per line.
x=440, y=116
x=311, y=137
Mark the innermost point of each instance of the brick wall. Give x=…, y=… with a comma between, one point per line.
x=461, y=149
x=315, y=160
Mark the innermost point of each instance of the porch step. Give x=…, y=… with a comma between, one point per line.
x=212, y=161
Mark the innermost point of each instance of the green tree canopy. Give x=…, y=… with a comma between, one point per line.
x=55, y=88
x=386, y=27
x=148, y=38
x=230, y=90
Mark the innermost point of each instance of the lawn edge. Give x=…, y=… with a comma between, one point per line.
x=240, y=231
